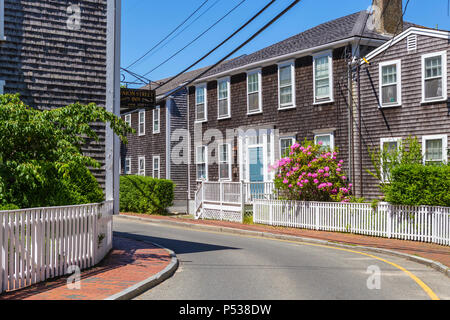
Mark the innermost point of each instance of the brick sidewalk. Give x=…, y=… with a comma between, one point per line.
x=425, y=250
x=128, y=264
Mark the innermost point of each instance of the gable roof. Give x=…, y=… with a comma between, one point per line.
x=336, y=30
x=443, y=34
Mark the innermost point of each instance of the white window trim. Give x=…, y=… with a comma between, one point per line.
x=444, y=138
x=159, y=167
x=291, y=105
x=139, y=166
x=206, y=163
x=316, y=56
x=128, y=119
x=141, y=133
x=249, y=73
x=382, y=142
x=157, y=111
x=285, y=138
x=398, y=64
x=127, y=172
x=331, y=134
x=205, y=106
x=443, y=54
x=229, y=161
x=228, y=116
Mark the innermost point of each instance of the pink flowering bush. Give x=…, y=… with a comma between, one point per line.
x=311, y=173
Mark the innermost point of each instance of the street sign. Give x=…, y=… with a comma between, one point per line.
x=132, y=99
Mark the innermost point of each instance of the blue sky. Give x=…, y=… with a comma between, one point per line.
x=146, y=22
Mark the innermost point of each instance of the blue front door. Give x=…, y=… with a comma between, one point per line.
x=256, y=165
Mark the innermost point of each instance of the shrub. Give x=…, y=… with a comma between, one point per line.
x=417, y=184
x=41, y=162
x=8, y=206
x=145, y=194
x=310, y=173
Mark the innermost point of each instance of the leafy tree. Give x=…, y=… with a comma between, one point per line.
x=311, y=173
x=41, y=163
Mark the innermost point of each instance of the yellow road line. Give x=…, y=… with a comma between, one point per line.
x=424, y=287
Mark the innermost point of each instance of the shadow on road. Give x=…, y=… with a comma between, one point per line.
x=178, y=246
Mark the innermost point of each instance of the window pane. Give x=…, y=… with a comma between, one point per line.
x=253, y=102
x=223, y=153
x=201, y=155
x=285, y=76
x=322, y=68
x=390, y=146
x=286, y=95
x=389, y=94
x=200, y=96
x=433, y=67
x=224, y=171
x=322, y=88
x=253, y=85
x=433, y=150
x=389, y=75
x=433, y=88
x=223, y=108
x=326, y=141
x=285, y=146
x=201, y=171
x=223, y=90
x=200, y=111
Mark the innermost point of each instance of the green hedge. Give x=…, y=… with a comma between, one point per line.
x=415, y=184
x=145, y=195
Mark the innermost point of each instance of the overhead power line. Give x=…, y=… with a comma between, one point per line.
x=172, y=32
x=198, y=37
x=294, y=3
x=220, y=44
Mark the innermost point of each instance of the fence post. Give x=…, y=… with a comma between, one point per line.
x=433, y=225
x=221, y=199
x=316, y=211
x=389, y=220
x=271, y=205
x=243, y=202
x=203, y=200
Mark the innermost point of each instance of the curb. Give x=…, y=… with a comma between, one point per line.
x=151, y=282
x=430, y=263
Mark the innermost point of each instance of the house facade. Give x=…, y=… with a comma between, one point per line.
x=245, y=114
x=404, y=92
x=56, y=53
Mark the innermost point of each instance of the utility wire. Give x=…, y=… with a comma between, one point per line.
x=172, y=32
x=220, y=44
x=198, y=37
x=185, y=28
x=235, y=50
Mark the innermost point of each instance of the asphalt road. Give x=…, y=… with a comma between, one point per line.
x=218, y=266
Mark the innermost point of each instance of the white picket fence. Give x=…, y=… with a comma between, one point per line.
x=44, y=243
x=422, y=223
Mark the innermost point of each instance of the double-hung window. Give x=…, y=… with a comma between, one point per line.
x=326, y=140
x=434, y=149
x=389, y=146
x=141, y=164
x=127, y=169
x=128, y=119
x=141, y=123
x=323, y=77
x=286, y=85
x=434, y=77
x=225, y=161
x=285, y=145
x=156, y=167
x=390, y=83
x=223, y=96
x=202, y=163
x=200, y=103
x=254, y=96
x=156, y=119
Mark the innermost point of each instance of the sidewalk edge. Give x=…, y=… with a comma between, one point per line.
x=150, y=282
x=431, y=263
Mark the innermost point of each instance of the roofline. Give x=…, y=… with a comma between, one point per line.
x=296, y=54
x=411, y=30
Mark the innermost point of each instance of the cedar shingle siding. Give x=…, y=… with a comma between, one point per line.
x=52, y=66
x=410, y=119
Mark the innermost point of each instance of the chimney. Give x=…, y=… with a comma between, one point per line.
x=388, y=15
